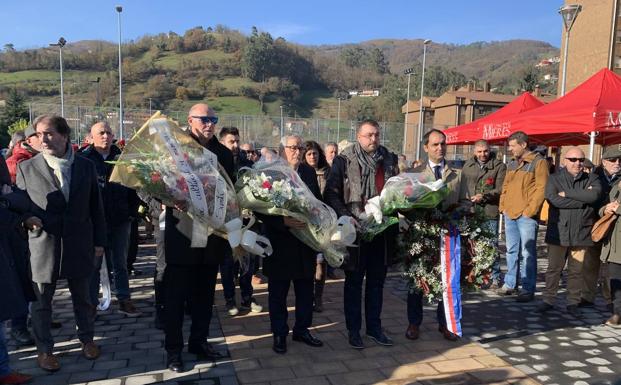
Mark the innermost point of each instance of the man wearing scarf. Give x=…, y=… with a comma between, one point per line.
x=358, y=174
x=66, y=233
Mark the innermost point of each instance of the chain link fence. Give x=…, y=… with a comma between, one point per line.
x=261, y=130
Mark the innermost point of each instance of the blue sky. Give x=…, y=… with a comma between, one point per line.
x=35, y=23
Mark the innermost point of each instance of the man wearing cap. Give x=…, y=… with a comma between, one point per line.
x=23, y=150
x=609, y=173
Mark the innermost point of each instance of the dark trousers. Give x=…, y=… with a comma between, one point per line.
x=41, y=312
x=229, y=268
x=614, y=270
x=372, y=265
x=415, y=309
x=132, y=249
x=195, y=284
x=277, y=299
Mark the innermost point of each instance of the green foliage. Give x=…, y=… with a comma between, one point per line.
x=529, y=78
x=372, y=59
x=14, y=110
x=19, y=125
x=258, y=56
x=439, y=79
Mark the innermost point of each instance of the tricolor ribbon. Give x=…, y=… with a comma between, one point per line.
x=450, y=257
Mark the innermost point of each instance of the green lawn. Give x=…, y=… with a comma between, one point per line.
x=172, y=60
x=7, y=78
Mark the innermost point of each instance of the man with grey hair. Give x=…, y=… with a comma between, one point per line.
x=572, y=194
x=358, y=174
x=291, y=261
x=331, y=150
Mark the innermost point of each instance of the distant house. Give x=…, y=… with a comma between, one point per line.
x=364, y=93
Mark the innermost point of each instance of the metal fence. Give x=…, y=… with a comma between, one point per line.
x=262, y=130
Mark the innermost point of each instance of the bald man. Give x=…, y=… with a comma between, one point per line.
x=120, y=206
x=190, y=275
x=572, y=194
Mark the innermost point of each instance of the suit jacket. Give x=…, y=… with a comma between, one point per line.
x=178, y=229
x=291, y=258
x=451, y=177
x=64, y=247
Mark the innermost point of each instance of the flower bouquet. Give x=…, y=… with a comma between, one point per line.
x=164, y=161
x=401, y=193
x=274, y=188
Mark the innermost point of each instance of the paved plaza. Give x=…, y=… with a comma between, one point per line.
x=504, y=342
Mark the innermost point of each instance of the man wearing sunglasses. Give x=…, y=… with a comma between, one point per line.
x=190, y=275
x=573, y=195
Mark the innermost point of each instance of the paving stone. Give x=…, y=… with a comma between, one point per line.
x=88, y=376
x=457, y=365
x=357, y=378
x=110, y=365
x=258, y=375
x=141, y=380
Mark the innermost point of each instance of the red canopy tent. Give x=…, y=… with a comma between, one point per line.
x=493, y=127
x=593, y=106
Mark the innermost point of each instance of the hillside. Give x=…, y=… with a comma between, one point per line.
x=257, y=74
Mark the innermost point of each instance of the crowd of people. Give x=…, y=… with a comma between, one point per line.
x=62, y=218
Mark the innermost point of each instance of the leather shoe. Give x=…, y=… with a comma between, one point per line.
x=174, y=362
x=15, y=378
x=48, y=361
x=355, y=341
x=308, y=339
x=90, y=351
x=412, y=332
x=280, y=344
x=204, y=351
x=447, y=334
x=525, y=297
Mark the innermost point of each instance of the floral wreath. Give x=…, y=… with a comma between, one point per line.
x=419, y=249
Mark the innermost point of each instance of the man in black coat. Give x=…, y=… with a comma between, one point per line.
x=120, y=205
x=572, y=195
x=358, y=174
x=290, y=261
x=190, y=274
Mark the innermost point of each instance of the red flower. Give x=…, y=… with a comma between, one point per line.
x=267, y=185
x=182, y=185
x=489, y=181
x=156, y=177
x=408, y=191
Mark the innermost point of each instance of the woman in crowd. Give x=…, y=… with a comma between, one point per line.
x=315, y=157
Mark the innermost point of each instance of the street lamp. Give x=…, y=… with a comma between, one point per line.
x=282, y=123
x=338, y=120
x=119, y=9
x=97, y=101
x=421, y=109
x=569, y=13
x=409, y=72
x=61, y=43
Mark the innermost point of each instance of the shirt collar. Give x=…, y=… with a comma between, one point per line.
x=441, y=164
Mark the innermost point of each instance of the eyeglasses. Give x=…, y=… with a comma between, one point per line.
x=370, y=136
x=294, y=148
x=574, y=160
x=206, y=119
x=614, y=160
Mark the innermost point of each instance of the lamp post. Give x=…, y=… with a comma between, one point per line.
x=61, y=43
x=569, y=13
x=282, y=123
x=97, y=101
x=119, y=9
x=421, y=109
x=409, y=72
x=338, y=119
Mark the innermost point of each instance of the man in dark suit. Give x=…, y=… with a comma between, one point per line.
x=190, y=274
x=434, y=144
x=291, y=261
x=67, y=231
x=358, y=174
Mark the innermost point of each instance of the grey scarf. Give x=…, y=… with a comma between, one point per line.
x=62, y=169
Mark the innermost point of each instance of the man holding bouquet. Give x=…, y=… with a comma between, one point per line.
x=434, y=144
x=291, y=260
x=358, y=174
x=190, y=274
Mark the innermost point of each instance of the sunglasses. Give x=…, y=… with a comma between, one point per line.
x=574, y=160
x=614, y=160
x=206, y=119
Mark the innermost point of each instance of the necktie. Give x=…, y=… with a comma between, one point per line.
x=437, y=172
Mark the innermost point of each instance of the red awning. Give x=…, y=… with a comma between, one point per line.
x=495, y=127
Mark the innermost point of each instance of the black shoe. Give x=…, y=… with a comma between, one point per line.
x=381, y=339
x=573, y=310
x=544, y=307
x=22, y=337
x=355, y=341
x=525, y=297
x=308, y=339
x=204, y=351
x=585, y=303
x=280, y=344
x=174, y=362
